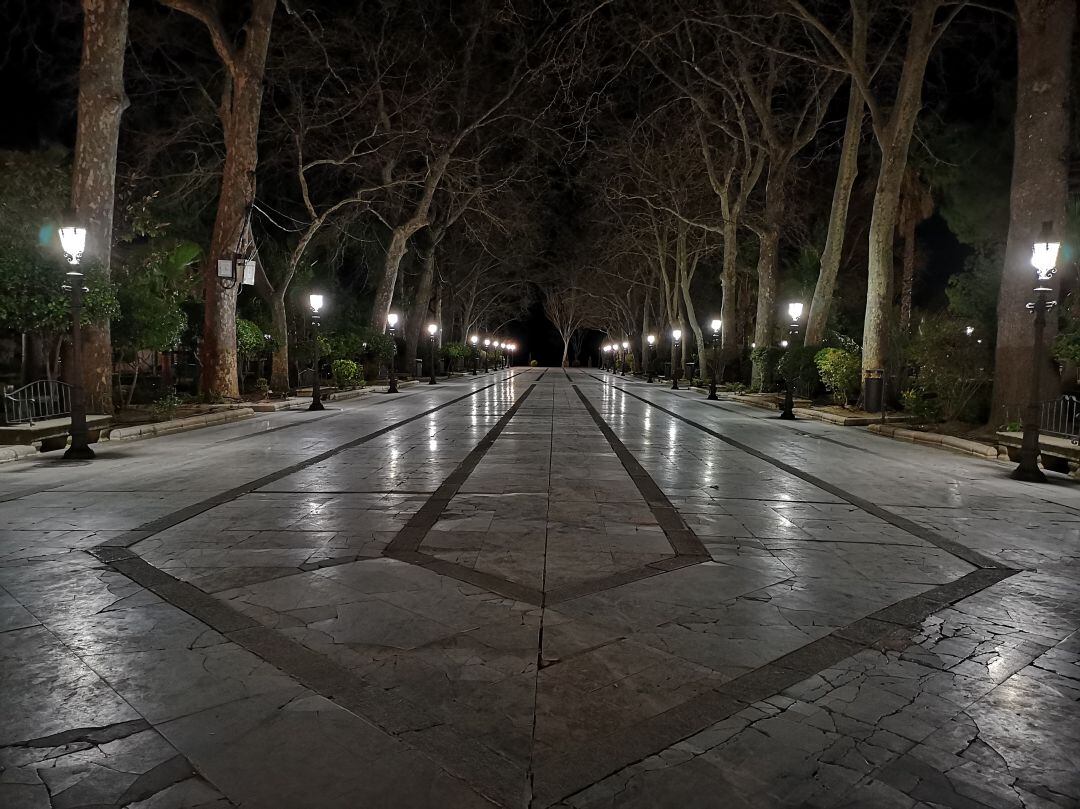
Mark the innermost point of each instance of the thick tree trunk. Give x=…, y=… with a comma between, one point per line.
x=1039, y=192
x=239, y=111
x=729, y=302
x=384, y=293
x=894, y=138
x=279, y=364
x=848, y=170
x=93, y=181
x=768, y=260
x=419, y=316
x=907, y=276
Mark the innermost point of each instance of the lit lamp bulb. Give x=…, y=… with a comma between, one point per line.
x=794, y=311
x=716, y=324
x=487, y=342
x=676, y=334
x=625, y=345
x=474, y=340
x=969, y=330
x=432, y=328
x=316, y=302
x=73, y=240
x=651, y=339
x=391, y=320
x=1044, y=259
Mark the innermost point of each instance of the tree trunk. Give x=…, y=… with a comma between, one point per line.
x=1039, y=193
x=279, y=364
x=768, y=259
x=93, y=180
x=421, y=308
x=894, y=139
x=241, y=105
x=729, y=302
x=384, y=293
x=848, y=170
x=907, y=275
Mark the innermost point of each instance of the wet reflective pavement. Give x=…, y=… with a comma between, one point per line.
x=536, y=588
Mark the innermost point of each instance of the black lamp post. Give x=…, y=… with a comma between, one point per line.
x=676, y=370
x=316, y=302
x=650, y=341
x=432, y=330
x=391, y=325
x=713, y=366
x=487, y=353
x=73, y=240
x=1044, y=258
x=475, y=352
x=794, y=312
x=625, y=355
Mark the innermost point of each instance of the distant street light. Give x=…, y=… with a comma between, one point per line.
x=650, y=344
x=795, y=311
x=316, y=302
x=391, y=324
x=487, y=353
x=474, y=341
x=676, y=371
x=606, y=349
x=432, y=330
x=73, y=241
x=625, y=349
x=1044, y=255
x=715, y=326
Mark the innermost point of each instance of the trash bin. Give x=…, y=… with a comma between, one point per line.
x=873, y=389
x=419, y=367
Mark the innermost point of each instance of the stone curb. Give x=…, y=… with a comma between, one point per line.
x=846, y=421
x=179, y=425
x=17, y=452
x=299, y=402
x=989, y=451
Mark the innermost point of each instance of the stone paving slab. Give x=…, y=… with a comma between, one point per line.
x=613, y=600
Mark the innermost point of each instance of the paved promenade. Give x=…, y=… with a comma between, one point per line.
x=536, y=589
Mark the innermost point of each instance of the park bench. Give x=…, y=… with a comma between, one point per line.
x=1059, y=435
x=40, y=413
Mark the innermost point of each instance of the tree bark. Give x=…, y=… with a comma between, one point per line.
x=769, y=253
x=279, y=363
x=846, y=172
x=729, y=301
x=93, y=183
x=894, y=138
x=1039, y=193
x=421, y=308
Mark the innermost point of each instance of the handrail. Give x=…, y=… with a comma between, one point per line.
x=42, y=399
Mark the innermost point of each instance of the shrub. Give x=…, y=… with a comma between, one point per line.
x=532, y=363
x=378, y=346
x=797, y=366
x=346, y=373
x=840, y=370
x=951, y=367
x=262, y=387
x=923, y=406
x=249, y=338
x=167, y=405
x=765, y=359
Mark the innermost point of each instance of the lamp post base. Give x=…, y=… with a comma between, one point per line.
x=76, y=453
x=1028, y=474
x=316, y=405
x=712, y=397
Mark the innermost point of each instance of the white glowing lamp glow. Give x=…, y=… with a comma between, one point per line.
x=625, y=345
x=315, y=301
x=715, y=325
x=432, y=329
x=651, y=339
x=794, y=311
x=969, y=330
x=73, y=240
x=783, y=344
x=607, y=348
x=487, y=342
x=474, y=339
x=676, y=334
x=1043, y=257
x=392, y=319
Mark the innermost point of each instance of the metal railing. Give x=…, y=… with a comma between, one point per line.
x=1060, y=417
x=44, y=399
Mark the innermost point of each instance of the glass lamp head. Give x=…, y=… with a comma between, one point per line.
x=392, y=320
x=794, y=311
x=316, y=301
x=715, y=325
x=676, y=334
x=474, y=339
x=625, y=345
x=73, y=240
x=432, y=329
x=651, y=339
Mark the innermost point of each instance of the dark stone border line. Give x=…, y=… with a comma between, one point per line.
x=681, y=536
x=498, y=779
x=148, y=529
x=958, y=550
x=405, y=546
x=282, y=427
x=584, y=765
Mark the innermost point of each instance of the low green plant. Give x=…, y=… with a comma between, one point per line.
x=797, y=366
x=167, y=405
x=532, y=363
x=765, y=360
x=952, y=367
x=839, y=369
x=922, y=405
x=346, y=373
x=262, y=387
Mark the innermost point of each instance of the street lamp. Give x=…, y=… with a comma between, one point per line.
x=432, y=330
x=625, y=350
x=391, y=325
x=487, y=353
x=795, y=311
x=651, y=342
x=676, y=371
x=1044, y=255
x=475, y=352
x=316, y=302
x=715, y=325
x=73, y=241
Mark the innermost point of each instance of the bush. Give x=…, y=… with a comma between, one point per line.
x=840, y=371
x=167, y=405
x=346, y=373
x=765, y=359
x=262, y=387
x=249, y=338
x=923, y=406
x=951, y=367
x=452, y=353
x=797, y=366
x=532, y=363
